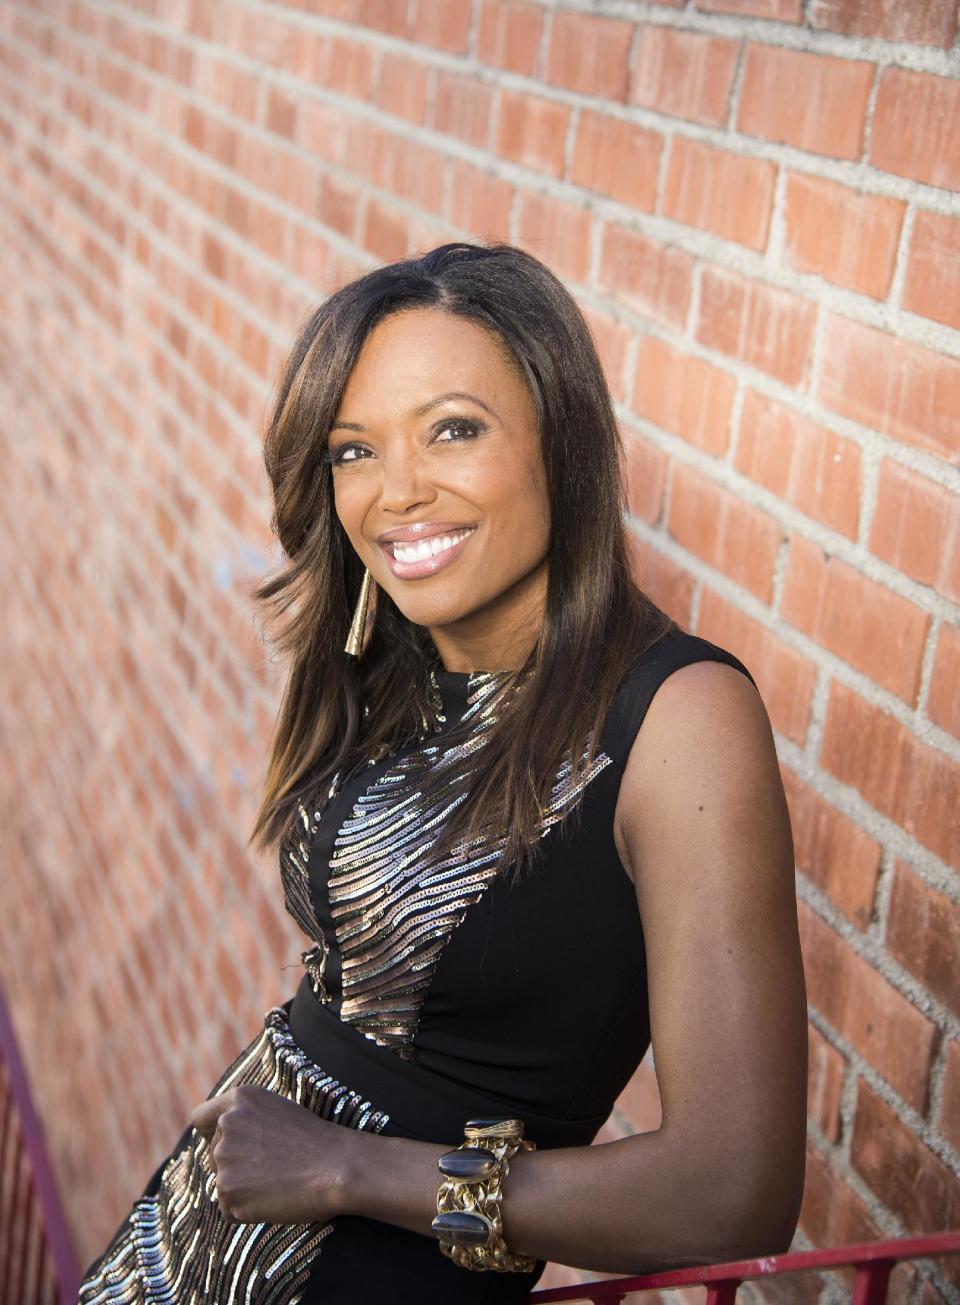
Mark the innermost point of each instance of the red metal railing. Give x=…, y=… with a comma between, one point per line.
x=872, y=1263
x=38, y=1266
x=37, y=1263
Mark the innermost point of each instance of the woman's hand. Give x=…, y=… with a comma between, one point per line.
x=275, y=1161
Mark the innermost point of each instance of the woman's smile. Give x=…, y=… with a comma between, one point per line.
x=413, y=560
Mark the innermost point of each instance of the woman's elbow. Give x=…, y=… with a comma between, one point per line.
x=764, y=1221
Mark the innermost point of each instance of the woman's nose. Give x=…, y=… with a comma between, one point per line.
x=402, y=483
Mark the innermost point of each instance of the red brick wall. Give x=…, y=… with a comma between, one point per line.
x=756, y=203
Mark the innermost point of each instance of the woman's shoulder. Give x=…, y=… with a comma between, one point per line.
x=644, y=676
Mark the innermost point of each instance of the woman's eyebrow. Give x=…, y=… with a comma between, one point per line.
x=424, y=408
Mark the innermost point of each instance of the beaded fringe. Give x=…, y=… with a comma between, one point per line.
x=177, y=1248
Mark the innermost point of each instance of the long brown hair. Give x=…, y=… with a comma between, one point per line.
x=337, y=711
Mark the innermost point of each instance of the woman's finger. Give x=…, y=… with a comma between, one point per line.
x=204, y=1117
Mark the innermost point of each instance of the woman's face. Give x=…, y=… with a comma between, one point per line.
x=459, y=479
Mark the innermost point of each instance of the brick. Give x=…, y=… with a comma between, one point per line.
x=684, y=395
x=646, y=477
x=402, y=89
x=812, y=101
x=333, y=62
x=612, y=340
x=783, y=11
x=588, y=53
x=321, y=131
x=640, y=1102
x=727, y=194
x=949, y=1119
x=389, y=16
x=763, y=326
x=463, y=108
x=932, y=285
x=932, y=23
x=867, y=1010
x=617, y=158
x=914, y=129
x=418, y=172
x=348, y=11
x=296, y=183
x=684, y=74
x=943, y=700
x=801, y=461
x=385, y=231
x=509, y=35
x=280, y=117
x=370, y=150
x=784, y=677
x=557, y=233
x=908, y=1177
x=348, y=67
x=932, y=1295
x=445, y=27
x=869, y=626
x=915, y=785
x=916, y=528
x=649, y=277
x=234, y=89
x=339, y=205
x=842, y=235
x=834, y=853
x=479, y=202
x=264, y=37
x=832, y=1214
x=728, y=534
x=532, y=131
x=923, y=933
x=670, y=586
x=825, y=1070
x=899, y=388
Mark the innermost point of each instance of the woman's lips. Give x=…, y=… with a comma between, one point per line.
x=426, y=566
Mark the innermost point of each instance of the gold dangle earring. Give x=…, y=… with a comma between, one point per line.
x=355, y=639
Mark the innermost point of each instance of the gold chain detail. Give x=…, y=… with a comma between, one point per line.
x=482, y=1197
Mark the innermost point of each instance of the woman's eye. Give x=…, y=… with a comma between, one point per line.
x=335, y=456
x=467, y=429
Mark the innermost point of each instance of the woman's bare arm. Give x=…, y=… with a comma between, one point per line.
x=703, y=830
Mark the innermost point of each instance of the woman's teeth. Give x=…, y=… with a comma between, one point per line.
x=425, y=548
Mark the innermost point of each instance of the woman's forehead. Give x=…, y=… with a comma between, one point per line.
x=410, y=359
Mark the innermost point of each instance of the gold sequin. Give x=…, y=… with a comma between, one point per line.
x=178, y=1248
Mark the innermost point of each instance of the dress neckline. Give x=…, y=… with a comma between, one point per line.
x=455, y=687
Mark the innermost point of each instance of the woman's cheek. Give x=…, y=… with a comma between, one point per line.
x=350, y=504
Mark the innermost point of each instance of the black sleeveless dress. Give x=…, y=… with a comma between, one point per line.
x=433, y=992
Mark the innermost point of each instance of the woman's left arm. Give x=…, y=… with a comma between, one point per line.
x=704, y=833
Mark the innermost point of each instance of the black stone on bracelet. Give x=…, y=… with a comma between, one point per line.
x=475, y=1162
x=461, y=1228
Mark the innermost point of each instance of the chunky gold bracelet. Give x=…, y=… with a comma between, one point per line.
x=468, y=1222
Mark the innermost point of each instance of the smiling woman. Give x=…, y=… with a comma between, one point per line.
x=527, y=824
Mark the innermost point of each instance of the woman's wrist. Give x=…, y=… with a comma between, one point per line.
x=393, y=1179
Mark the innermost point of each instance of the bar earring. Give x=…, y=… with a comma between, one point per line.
x=355, y=639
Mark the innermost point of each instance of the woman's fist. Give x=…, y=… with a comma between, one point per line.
x=275, y=1161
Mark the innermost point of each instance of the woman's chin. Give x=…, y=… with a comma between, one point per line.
x=438, y=615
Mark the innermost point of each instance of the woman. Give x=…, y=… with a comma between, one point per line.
x=509, y=886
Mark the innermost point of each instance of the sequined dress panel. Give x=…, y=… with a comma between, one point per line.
x=432, y=991
x=388, y=904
